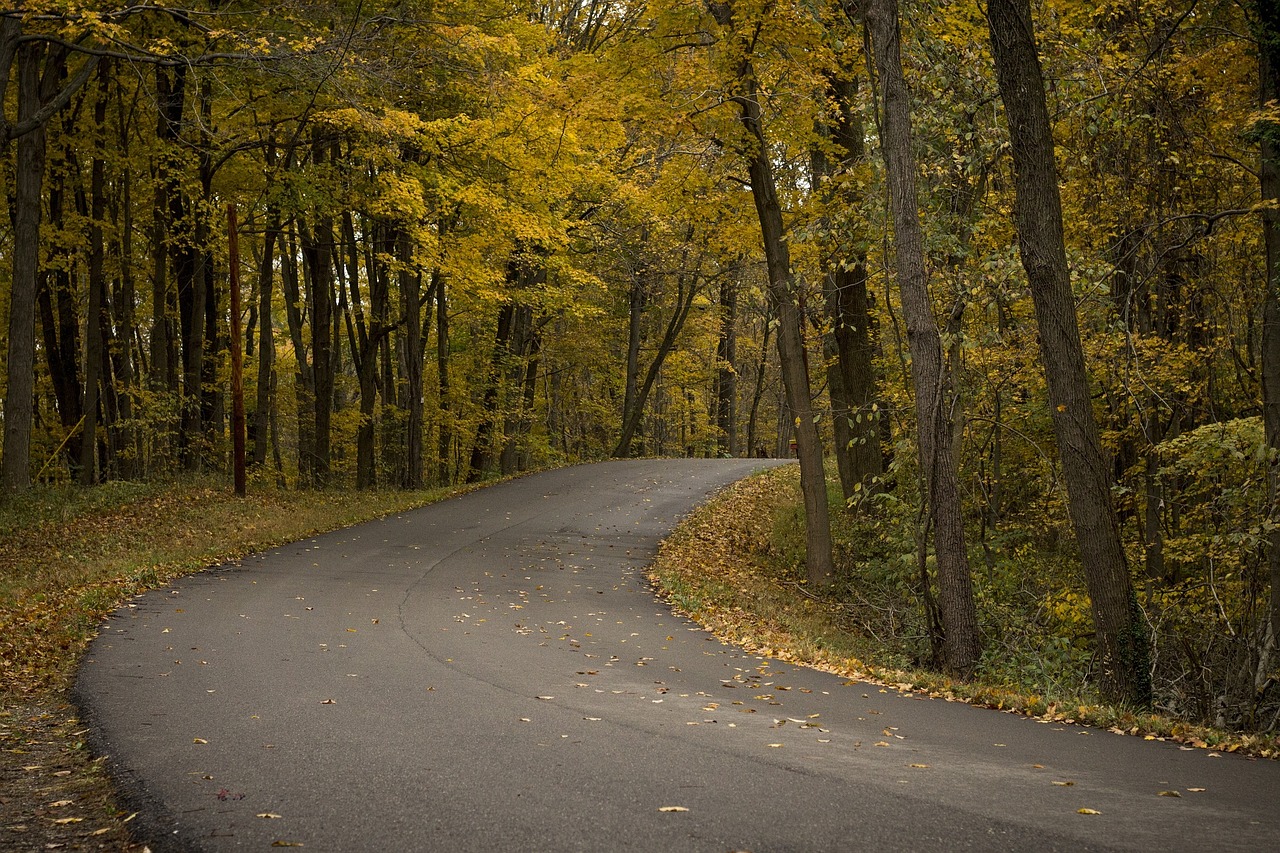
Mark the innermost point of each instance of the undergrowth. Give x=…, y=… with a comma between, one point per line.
x=737, y=566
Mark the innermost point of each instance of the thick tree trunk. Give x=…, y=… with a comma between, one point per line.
x=317, y=254
x=960, y=643
x=19, y=406
x=1269, y=75
x=1086, y=471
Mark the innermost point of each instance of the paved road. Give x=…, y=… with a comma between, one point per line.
x=493, y=674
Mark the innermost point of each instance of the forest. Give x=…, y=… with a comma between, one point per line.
x=1000, y=275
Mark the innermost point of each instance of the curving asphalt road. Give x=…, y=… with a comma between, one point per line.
x=492, y=673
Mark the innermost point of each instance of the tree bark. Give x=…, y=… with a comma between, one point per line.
x=444, y=444
x=851, y=376
x=784, y=296
x=1122, y=636
x=685, y=292
x=266, y=340
x=98, y=320
x=1268, y=25
x=414, y=346
x=727, y=372
x=19, y=407
x=960, y=643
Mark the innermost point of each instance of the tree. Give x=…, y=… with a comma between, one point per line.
x=42, y=92
x=783, y=288
x=1086, y=471
x=1268, y=33
x=959, y=644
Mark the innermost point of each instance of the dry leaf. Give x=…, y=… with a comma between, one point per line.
x=1169, y=794
x=1196, y=790
x=672, y=809
x=919, y=766
x=199, y=740
x=269, y=815
x=287, y=844
x=63, y=821
x=775, y=746
x=1087, y=811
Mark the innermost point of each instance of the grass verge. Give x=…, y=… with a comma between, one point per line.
x=727, y=568
x=68, y=557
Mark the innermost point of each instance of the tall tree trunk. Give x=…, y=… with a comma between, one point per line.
x=127, y=439
x=317, y=254
x=97, y=284
x=685, y=291
x=164, y=368
x=755, y=447
x=304, y=377
x=58, y=310
x=727, y=372
x=482, y=447
x=215, y=341
x=266, y=340
x=444, y=444
x=635, y=323
x=414, y=346
x=1122, y=634
x=784, y=295
x=1268, y=25
x=851, y=377
x=960, y=642
x=19, y=409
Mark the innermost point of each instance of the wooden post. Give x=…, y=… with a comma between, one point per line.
x=237, y=356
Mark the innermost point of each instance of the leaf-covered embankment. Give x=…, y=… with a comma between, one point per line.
x=724, y=568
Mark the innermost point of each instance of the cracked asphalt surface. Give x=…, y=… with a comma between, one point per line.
x=493, y=673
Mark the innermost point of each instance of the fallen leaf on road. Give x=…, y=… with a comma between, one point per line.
x=269, y=815
x=1196, y=790
x=199, y=740
x=1169, y=794
x=775, y=746
x=1087, y=811
x=882, y=743
x=1064, y=784
x=672, y=809
x=63, y=821
x=287, y=844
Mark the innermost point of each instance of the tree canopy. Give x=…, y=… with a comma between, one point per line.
x=479, y=236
